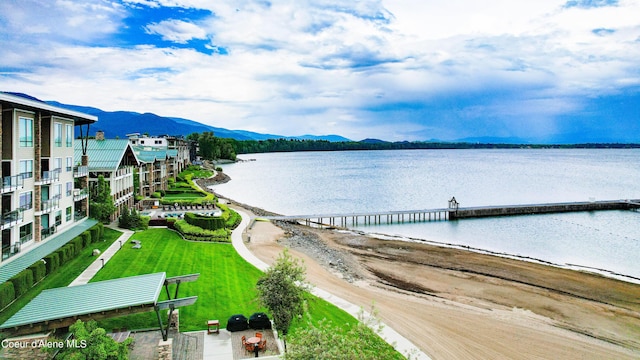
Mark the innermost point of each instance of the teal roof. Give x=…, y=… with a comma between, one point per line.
x=103, y=154
x=150, y=154
x=10, y=268
x=61, y=303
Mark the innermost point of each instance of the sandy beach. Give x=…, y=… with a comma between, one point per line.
x=457, y=304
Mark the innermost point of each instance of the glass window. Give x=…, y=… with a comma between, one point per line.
x=69, y=210
x=69, y=134
x=26, y=232
x=58, y=218
x=25, y=126
x=26, y=202
x=57, y=191
x=57, y=163
x=26, y=168
x=69, y=188
x=57, y=134
x=69, y=163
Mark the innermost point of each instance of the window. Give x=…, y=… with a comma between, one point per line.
x=26, y=200
x=26, y=232
x=69, y=188
x=69, y=134
x=25, y=126
x=26, y=169
x=69, y=163
x=57, y=163
x=58, y=218
x=69, y=211
x=57, y=134
x=57, y=191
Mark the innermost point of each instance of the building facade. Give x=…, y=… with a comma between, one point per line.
x=43, y=187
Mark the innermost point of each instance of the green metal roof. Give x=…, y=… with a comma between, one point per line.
x=103, y=154
x=150, y=154
x=92, y=298
x=10, y=268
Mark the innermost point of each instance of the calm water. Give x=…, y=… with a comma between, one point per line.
x=357, y=181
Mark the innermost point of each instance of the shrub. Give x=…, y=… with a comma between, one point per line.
x=218, y=169
x=100, y=227
x=87, y=236
x=156, y=195
x=195, y=233
x=7, y=294
x=66, y=253
x=22, y=282
x=205, y=222
x=52, y=262
x=77, y=243
x=39, y=270
x=94, y=234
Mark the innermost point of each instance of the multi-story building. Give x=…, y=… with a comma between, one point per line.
x=41, y=183
x=114, y=160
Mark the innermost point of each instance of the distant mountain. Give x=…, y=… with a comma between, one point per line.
x=120, y=123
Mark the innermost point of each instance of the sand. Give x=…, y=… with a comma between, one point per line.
x=456, y=304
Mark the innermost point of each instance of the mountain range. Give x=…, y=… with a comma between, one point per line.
x=120, y=123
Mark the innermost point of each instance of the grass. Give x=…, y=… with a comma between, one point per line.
x=183, y=196
x=64, y=275
x=226, y=285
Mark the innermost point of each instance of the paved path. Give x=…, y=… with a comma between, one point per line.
x=402, y=344
x=91, y=271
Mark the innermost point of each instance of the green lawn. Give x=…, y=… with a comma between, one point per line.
x=226, y=285
x=64, y=275
x=183, y=196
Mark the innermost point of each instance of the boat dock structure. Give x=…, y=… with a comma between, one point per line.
x=453, y=212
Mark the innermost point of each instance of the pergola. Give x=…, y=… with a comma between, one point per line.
x=61, y=307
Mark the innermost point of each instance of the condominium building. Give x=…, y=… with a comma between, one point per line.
x=42, y=184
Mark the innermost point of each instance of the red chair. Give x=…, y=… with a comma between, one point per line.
x=263, y=345
x=259, y=334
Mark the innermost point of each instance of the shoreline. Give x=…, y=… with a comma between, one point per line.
x=559, y=299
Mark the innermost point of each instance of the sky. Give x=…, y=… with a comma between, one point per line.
x=542, y=71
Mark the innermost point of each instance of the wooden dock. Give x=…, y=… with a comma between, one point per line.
x=453, y=212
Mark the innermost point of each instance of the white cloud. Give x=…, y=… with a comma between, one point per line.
x=176, y=30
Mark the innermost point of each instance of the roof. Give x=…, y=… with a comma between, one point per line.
x=150, y=154
x=92, y=298
x=10, y=268
x=30, y=103
x=104, y=154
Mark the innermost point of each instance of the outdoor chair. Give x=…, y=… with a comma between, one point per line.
x=249, y=347
x=244, y=341
x=259, y=334
x=263, y=345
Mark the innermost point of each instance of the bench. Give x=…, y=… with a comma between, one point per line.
x=213, y=326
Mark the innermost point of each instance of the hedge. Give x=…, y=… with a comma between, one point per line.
x=94, y=234
x=195, y=233
x=66, y=253
x=7, y=294
x=205, y=222
x=87, y=237
x=78, y=244
x=22, y=282
x=53, y=262
x=39, y=270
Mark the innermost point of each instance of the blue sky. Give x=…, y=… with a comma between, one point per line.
x=542, y=71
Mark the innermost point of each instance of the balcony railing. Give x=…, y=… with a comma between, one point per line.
x=10, y=250
x=80, y=194
x=49, y=205
x=12, y=183
x=79, y=214
x=12, y=218
x=46, y=232
x=80, y=171
x=48, y=177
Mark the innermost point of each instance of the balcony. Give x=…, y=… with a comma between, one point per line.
x=12, y=183
x=49, y=177
x=10, y=250
x=80, y=171
x=12, y=218
x=79, y=215
x=80, y=194
x=145, y=184
x=46, y=232
x=50, y=205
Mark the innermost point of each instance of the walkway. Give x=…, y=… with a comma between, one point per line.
x=402, y=344
x=93, y=269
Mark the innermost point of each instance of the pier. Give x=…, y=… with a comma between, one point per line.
x=453, y=212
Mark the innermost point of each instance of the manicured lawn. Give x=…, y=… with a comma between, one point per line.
x=189, y=195
x=226, y=285
x=64, y=275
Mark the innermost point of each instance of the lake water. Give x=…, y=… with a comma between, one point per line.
x=360, y=181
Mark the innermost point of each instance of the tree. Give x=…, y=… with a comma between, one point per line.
x=101, y=205
x=91, y=342
x=326, y=340
x=281, y=290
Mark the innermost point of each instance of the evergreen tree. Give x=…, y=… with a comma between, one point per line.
x=101, y=205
